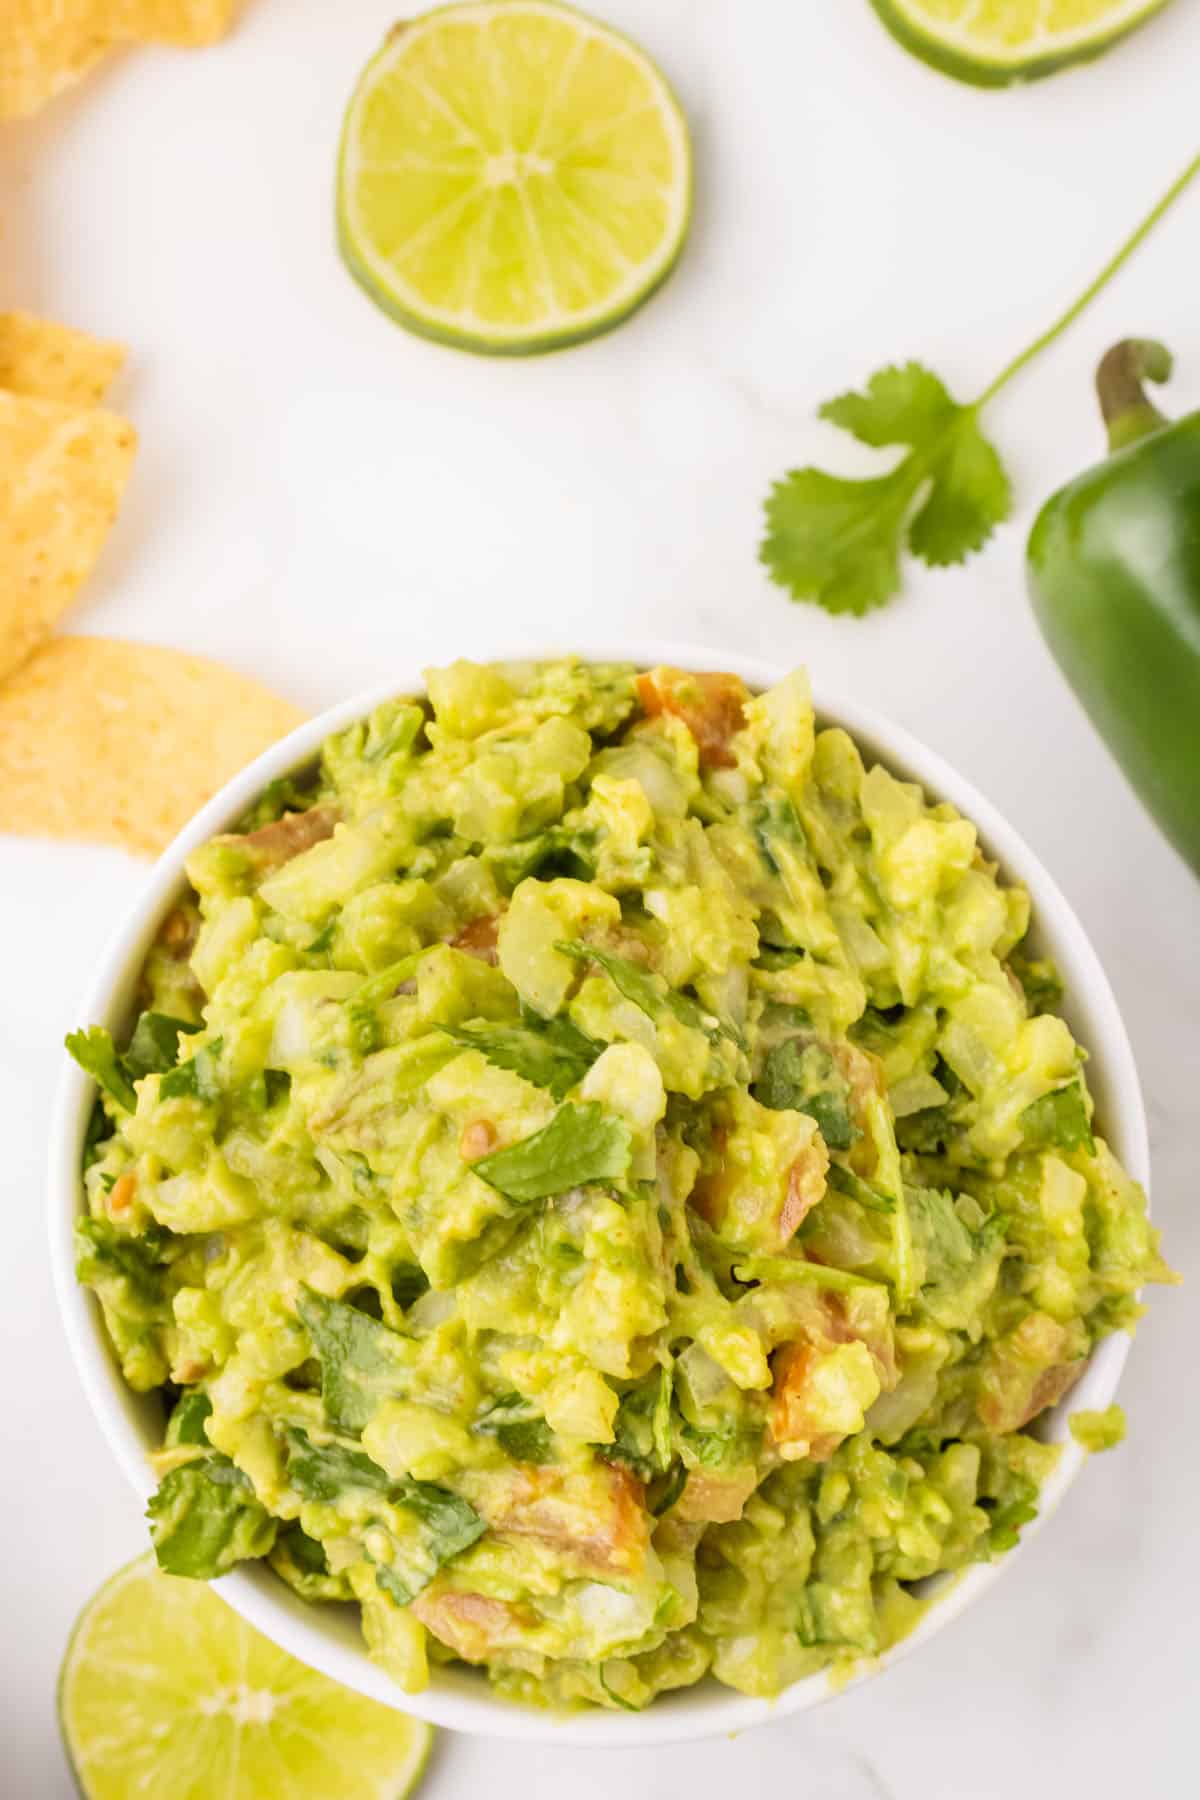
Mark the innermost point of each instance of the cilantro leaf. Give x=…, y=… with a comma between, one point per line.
x=99, y=1130
x=186, y=1424
x=904, y=404
x=719, y=1448
x=551, y=1053
x=971, y=495
x=152, y=1050
x=648, y=991
x=195, y=1079
x=527, y=1441
x=307, y=1553
x=300, y=1560
x=925, y=1133
x=838, y=541
x=1059, y=1120
x=96, y=1055
x=581, y=1144
x=154, y=1045
x=204, y=1518
x=362, y=1361
x=1039, y=979
x=444, y=1525
x=440, y=1523
x=642, y=1429
x=451, y=1522
x=960, y=1263
x=325, y=1471
x=103, y=1254
x=519, y=1428
x=804, y=1078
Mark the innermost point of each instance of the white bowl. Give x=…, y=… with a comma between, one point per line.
x=328, y=1637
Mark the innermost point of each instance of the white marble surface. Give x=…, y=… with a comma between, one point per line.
x=314, y=489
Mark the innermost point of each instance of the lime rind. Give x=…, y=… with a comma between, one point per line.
x=185, y=1701
x=952, y=51
x=553, y=330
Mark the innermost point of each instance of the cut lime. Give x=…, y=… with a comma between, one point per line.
x=513, y=177
x=994, y=42
x=167, y=1694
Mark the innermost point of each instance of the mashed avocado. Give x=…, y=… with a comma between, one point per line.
x=598, y=1179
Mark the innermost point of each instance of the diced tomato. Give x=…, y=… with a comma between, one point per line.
x=478, y=938
x=712, y=706
x=472, y=1625
x=1026, y=1371
x=762, y=1212
x=806, y=1185
x=791, y=1420
x=1010, y=1407
x=628, y=943
x=819, y=1393
x=477, y=1138
x=863, y=1072
x=176, y=940
x=121, y=1196
x=179, y=931
x=277, y=843
x=595, y=1518
x=1051, y=1385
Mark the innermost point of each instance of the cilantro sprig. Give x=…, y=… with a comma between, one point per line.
x=840, y=542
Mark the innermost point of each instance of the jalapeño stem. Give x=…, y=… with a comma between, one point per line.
x=1127, y=410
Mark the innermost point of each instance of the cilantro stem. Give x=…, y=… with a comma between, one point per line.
x=1096, y=287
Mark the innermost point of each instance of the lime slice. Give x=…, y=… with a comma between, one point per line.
x=167, y=1694
x=513, y=177
x=994, y=42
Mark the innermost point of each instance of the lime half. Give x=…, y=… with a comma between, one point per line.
x=513, y=177
x=994, y=42
x=167, y=1694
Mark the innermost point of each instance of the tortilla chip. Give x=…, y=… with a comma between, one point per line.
x=46, y=45
x=104, y=742
x=41, y=57
x=52, y=362
x=62, y=474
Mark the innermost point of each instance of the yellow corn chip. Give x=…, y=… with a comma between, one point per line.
x=52, y=362
x=114, y=743
x=187, y=22
x=41, y=56
x=46, y=45
x=62, y=474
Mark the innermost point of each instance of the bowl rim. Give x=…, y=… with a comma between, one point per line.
x=457, y=1698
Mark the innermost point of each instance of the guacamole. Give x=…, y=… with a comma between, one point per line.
x=598, y=1179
